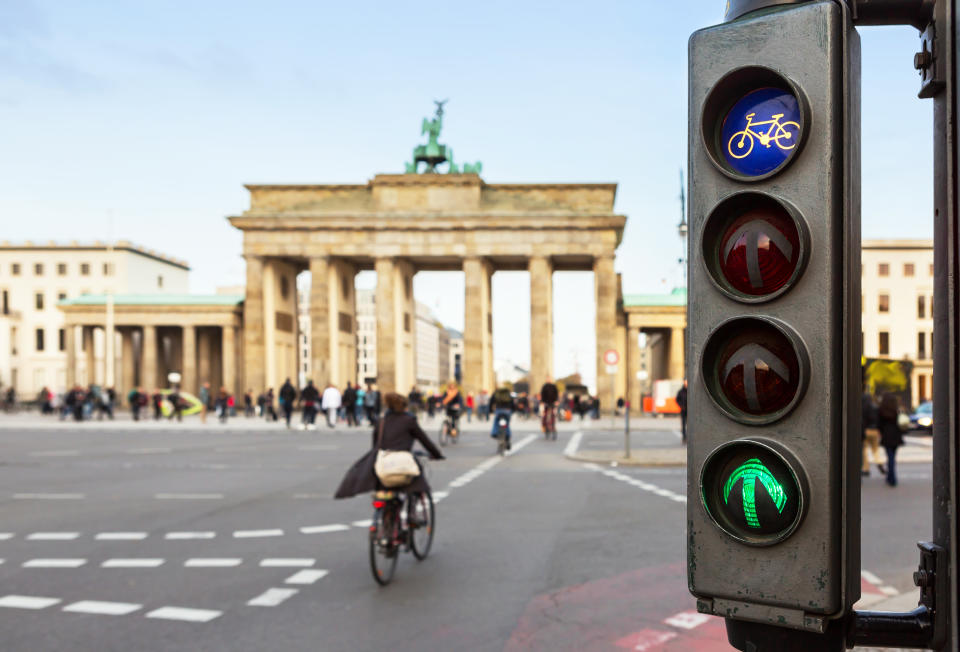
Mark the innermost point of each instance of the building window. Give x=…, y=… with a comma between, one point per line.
x=13, y=340
x=108, y=269
x=884, y=343
x=84, y=269
x=922, y=387
x=921, y=307
x=284, y=287
x=61, y=269
x=160, y=281
x=38, y=269
x=15, y=269
x=39, y=339
x=921, y=346
x=6, y=302
x=61, y=296
x=883, y=269
x=908, y=269
x=884, y=303
x=38, y=300
x=62, y=339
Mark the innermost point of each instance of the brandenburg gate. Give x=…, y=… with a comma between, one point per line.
x=397, y=225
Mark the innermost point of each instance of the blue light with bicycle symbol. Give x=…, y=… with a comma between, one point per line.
x=761, y=132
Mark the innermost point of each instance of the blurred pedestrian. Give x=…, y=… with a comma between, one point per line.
x=890, y=434
x=288, y=396
x=349, y=401
x=204, y=398
x=133, y=398
x=870, y=435
x=682, y=404
x=248, y=410
x=470, y=405
x=310, y=400
x=330, y=404
x=371, y=404
x=222, y=404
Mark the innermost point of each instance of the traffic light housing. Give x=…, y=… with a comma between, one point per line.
x=773, y=317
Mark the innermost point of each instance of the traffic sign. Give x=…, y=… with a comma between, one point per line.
x=611, y=357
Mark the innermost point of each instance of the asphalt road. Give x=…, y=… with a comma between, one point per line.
x=190, y=537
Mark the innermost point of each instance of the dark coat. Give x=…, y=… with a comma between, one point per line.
x=549, y=393
x=682, y=400
x=890, y=435
x=400, y=431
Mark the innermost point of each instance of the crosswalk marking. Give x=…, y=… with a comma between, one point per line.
x=27, y=602
x=102, y=608
x=272, y=597
x=306, y=576
x=184, y=613
x=687, y=619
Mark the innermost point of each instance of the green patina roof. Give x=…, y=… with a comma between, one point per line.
x=156, y=300
x=676, y=298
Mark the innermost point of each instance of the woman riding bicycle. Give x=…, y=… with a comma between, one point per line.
x=453, y=406
x=396, y=431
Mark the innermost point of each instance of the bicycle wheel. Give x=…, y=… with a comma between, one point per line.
x=743, y=146
x=383, y=549
x=788, y=133
x=420, y=519
x=444, y=433
x=501, y=444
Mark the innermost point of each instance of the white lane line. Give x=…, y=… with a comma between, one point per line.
x=272, y=597
x=27, y=602
x=574, y=444
x=363, y=523
x=521, y=444
x=212, y=562
x=189, y=535
x=687, y=619
x=54, y=453
x=54, y=563
x=889, y=590
x=870, y=577
x=102, y=608
x=184, y=613
x=169, y=496
x=249, y=534
x=120, y=536
x=323, y=529
x=147, y=451
x=440, y=495
x=43, y=496
x=53, y=536
x=640, y=484
x=4, y=536
x=136, y=562
x=287, y=563
x=307, y=576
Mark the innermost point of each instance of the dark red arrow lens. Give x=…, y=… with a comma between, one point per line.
x=759, y=251
x=758, y=369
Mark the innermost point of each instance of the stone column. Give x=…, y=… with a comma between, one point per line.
x=253, y=330
x=127, y=364
x=203, y=356
x=406, y=327
x=228, y=355
x=149, y=366
x=675, y=364
x=605, y=289
x=477, y=326
x=89, y=349
x=189, y=366
x=633, y=367
x=70, y=334
x=541, y=321
x=387, y=335
x=321, y=332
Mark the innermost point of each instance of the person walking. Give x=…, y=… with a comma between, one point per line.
x=371, y=404
x=204, y=398
x=177, y=410
x=310, y=400
x=248, y=404
x=870, y=436
x=413, y=401
x=157, y=398
x=330, y=403
x=134, y=398
x=358, y=406
x=470, y=403
x=483, y=405
x=288, y=396
x=890, y=435
x=682, y=404
x=268, y=402
x=222, y=404
x=349, y=401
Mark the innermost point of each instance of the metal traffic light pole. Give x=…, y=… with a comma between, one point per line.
x=934, y=623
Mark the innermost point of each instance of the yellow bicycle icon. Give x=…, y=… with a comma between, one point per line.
x=783, y=134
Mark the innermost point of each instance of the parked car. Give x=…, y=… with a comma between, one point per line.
x=922, y=418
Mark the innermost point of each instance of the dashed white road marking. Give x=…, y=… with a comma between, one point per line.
x=4, y=536
x=47, y=496
x=574, y=444
x=307, y=576
x=687, y=619
x=54, y=563
x=172, y=496
x=184, y=613
x=249, y=534
x=53, y=536
x=323, y=529
x=54, y=453
x=189, y=535
x=287, y=563
x=137, y=562
x=362, y=523
x=27, y=602
x=102, y=608
x=884, y=588
x=213, y=562
x=120, y=536
x=639, y=484
x=147, y=451
x=272, y=597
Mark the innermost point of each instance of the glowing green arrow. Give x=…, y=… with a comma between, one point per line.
x=751, y=471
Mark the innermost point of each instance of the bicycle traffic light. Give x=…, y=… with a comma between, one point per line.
x=773, y=317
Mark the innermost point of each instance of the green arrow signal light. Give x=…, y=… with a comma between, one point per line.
x=751, y=471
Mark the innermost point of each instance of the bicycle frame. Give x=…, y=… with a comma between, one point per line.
x=765, y=139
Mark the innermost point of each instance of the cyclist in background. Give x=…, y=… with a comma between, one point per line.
x=453, y=406
x=502, y=405
x=549, y=395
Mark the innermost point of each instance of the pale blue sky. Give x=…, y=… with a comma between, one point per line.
x=159, y=111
